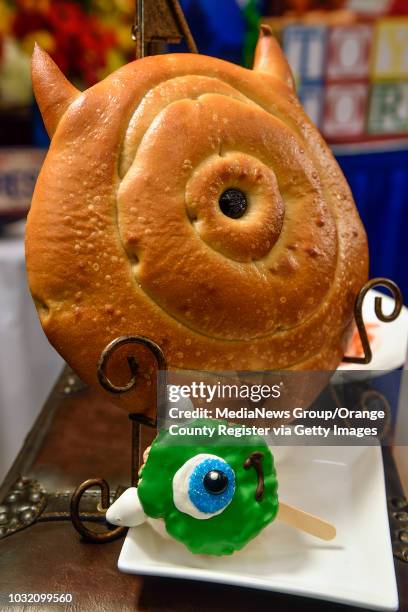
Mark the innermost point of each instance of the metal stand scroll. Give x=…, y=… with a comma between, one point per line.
x=358, y=314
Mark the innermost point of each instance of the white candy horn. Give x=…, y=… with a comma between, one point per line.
x=127, y=510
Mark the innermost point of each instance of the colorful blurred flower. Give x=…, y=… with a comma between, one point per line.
x=87, y=39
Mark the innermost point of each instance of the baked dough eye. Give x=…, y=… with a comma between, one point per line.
x=233, y=203
x=203, y=486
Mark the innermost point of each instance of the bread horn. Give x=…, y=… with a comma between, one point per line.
x=53, y=92
x=269, y=57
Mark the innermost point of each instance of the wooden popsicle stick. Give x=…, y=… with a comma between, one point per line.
x=306, y=522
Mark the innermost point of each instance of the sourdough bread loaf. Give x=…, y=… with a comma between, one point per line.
x=134, y=228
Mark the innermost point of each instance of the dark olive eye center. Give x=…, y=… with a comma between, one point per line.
x=215, y=482
x=233, y=203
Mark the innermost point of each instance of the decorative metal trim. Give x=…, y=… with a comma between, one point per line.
x=22, y=506
x=73, y=384
x=398, y=513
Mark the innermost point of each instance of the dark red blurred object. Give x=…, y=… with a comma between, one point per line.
x=81, y=41
x=399, y=7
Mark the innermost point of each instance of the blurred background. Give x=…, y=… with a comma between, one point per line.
x=350, y=62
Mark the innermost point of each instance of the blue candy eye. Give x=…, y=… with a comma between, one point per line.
x=203, y=486
x=208, y=473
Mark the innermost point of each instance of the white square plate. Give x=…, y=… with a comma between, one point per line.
x=344, y=485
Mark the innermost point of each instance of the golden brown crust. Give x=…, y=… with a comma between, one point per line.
x=125, y=235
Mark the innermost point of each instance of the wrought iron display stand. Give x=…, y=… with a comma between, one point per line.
x=156, y=23
x=139, y=422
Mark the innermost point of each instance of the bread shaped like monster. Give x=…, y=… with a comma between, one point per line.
x=191, y=201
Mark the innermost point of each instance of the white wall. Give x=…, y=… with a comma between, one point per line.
x=29, y=365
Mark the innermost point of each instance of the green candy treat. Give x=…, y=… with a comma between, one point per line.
x=228, y=528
